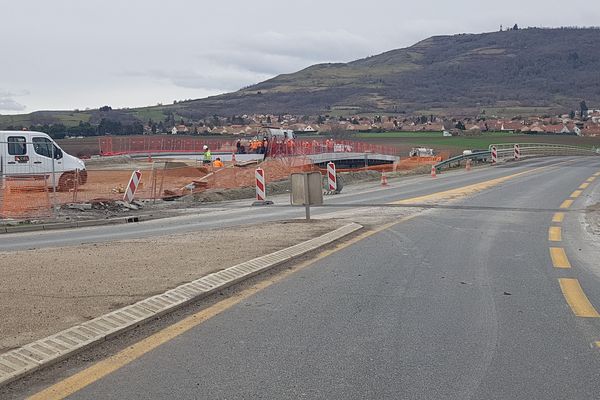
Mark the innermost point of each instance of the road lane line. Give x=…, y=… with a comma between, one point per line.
x=559, y=258
x=95, y=372
x=597, y=174
x=584, y=185
x=468, y=190
x=577, y=299
x=558, y=217
x=554, y=234
x=591, y=179
x=566, y=204
x=576, y=194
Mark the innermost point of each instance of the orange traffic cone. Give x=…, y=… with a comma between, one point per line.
x=384, y=181
x=433, y=171
x=149, y=157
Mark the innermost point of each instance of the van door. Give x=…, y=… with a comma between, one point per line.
x=17, y=162
x=44, y=150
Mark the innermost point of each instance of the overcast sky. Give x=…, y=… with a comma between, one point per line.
x=67, y=54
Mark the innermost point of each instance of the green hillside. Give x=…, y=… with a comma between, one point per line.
x=530, y=71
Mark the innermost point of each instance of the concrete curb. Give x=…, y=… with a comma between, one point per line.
x=67, y=225
x=22, y=361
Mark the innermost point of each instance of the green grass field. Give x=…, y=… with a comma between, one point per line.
x=455, y=145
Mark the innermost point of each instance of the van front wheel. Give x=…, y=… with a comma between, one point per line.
x=66, y=182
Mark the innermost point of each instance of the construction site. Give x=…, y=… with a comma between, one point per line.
x=172, y=169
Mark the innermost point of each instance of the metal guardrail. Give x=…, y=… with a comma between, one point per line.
x=506, y=150
x=480, y=156
x=545, y=149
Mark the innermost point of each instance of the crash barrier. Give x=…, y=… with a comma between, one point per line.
x=509, y=150
x=480, y=156
x=517, y=152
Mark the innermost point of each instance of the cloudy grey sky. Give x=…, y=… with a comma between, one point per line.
x=66, y=54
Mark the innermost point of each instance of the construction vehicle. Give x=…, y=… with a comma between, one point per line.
x=421, y=152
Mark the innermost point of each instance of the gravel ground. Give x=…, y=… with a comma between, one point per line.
x=593, y=218
x=47, y=290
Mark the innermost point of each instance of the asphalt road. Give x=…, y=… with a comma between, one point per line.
x=452, y=304
x=241, y=213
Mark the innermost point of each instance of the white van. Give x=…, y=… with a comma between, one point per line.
x=28, y=154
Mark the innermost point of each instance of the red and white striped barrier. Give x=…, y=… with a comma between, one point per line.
x=494, y=155
x=134, y=182
x=517, y=152
x=331, y=177
x=433, y=171
x=261, y=192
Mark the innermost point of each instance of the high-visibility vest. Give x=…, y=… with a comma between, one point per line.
x=207, y=155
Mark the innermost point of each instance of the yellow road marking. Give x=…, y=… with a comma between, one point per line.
x=554, y=234
x=558, y=217
x=590, y=179
x=597, y=174
x=576, y=194
x=99, y=370
x=566, y=204
x=465, y=190
x=584, y=185
x=577, y=299
x=559, y=258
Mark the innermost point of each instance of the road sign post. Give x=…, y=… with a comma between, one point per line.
x=307, y=190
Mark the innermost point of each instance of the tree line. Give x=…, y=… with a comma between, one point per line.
x=105, y=127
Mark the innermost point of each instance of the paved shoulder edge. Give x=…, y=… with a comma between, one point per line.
x=70, y=225
x=24, y=360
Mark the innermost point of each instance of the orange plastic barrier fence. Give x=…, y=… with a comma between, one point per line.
x=29, y=198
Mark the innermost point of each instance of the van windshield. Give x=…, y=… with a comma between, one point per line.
x=43, y=146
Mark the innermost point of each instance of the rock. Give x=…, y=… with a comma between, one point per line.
x=80, y=206
x=126, y=205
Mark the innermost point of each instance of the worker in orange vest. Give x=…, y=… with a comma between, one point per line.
x=218, y=163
